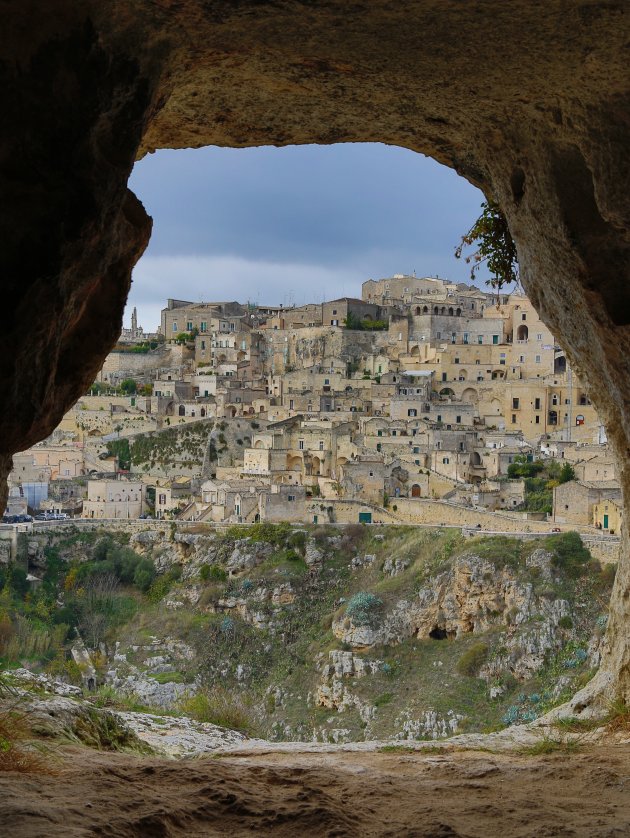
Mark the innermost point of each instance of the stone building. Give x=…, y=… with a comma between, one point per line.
x=574, y=502
x=114, y=499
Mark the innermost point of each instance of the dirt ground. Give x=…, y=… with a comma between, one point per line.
x=340, y=794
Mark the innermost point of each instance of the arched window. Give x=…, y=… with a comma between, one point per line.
x=450, y=311
x=425, y=310
x=182, y=410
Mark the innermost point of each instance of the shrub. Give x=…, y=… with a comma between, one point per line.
x=363, y=608
x=214, y=572
x=565, y=622
x=473, y=659
x=217, y=706
x=15, y=753
x=569, y=554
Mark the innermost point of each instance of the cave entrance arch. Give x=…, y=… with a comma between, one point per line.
x=545, y=137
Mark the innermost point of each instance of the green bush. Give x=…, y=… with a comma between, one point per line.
x=363, y=608
x=565, y=622
x=217, y=706
x=212, y=571
x=569, y=553
x=472, y=660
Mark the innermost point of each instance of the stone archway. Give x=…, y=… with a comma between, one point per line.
x=546, y=137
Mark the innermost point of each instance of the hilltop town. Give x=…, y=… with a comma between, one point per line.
x=422, y=401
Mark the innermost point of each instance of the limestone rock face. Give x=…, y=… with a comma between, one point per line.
x=471, y=597
x=527, y=100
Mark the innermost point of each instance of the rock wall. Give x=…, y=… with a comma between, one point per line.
x=527, y=100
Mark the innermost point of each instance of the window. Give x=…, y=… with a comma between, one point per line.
x=495, y=339
x=521, y=359
x=412, y=412
x=537, y=359
x=189, y=326
x=536, y=404
x=321, y=445
x=416, y=450
x=514, y=418
x=537, y=420
x=479, y=338
x=458, y=419
x=515, y=404
x=379, y=432
x=465, y=337
x=290, y=404
x=203, y=346
x=301, y=444
x=444, y=377
x=477, y=361
x=327, y=381
x=204, y=326
x=334, y=311
x=523, y=317
x=539, y=336
x=456, y=360
x=439, y=418
x=291, y=498
x=439, y=335
x=445, y=460
x=174, y=325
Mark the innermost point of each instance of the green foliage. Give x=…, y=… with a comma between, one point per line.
x=212, y=572
x=276, y=534
x=567, y=473
x=120, y=448
x=496, y=249
x=565, y=622
x=569, y=553
x=218, y=706
x=500, y=550
x=365, y=324
x=128, y=386
x=473, y=659
x=363, y=608
x=538, y=495
x=521, y=467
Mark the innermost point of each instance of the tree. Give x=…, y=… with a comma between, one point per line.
x=491, y=236
x=567, y=473
x=128, y=386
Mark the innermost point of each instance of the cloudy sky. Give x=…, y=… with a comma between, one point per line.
x=293, y=225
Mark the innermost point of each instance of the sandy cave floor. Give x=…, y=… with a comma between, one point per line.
x=332, y=794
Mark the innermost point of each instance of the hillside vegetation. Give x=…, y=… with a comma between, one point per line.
x=336, y=634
